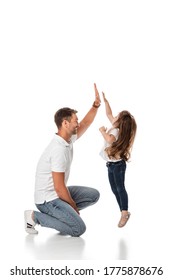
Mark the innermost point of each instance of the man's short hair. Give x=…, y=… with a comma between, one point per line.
x=63, y=114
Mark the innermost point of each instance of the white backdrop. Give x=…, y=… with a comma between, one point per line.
x=51, y=54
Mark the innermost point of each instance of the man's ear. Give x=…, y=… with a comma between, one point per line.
x=65, y=123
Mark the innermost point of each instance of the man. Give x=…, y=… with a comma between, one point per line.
x=59, y=205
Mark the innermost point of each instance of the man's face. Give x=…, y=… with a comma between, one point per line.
x=73, y=124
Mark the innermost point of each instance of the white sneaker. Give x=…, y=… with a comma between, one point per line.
x=29, y=223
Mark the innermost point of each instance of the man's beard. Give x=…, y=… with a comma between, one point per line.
x=75, y=131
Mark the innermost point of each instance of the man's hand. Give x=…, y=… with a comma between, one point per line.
x=73, y=204
x=97, y=96
x=61, y=189
x=89, y=117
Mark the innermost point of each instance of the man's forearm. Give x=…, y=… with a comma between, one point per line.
x=89, y=117
x=87, y=121
x=63, y=193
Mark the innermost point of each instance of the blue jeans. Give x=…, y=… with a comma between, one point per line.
x=59, y=215
x=116, y=175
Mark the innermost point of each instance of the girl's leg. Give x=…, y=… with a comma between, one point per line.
x=113, y=187
x=118, y=171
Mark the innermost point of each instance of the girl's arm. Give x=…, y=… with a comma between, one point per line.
x=108, y=109
x=109, y=138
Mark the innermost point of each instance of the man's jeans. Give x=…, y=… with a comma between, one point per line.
x=59, y=215
x=116, y=175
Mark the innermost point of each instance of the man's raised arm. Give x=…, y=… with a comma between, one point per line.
x=89, y=117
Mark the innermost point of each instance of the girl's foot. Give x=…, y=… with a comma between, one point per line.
x=124, y=218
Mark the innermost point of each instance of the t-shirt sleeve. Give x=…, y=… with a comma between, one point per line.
x=58, y=161
x=114, y=132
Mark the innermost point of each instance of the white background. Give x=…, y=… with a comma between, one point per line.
x=51, y=53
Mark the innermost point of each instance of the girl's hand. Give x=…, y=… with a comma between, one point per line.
x=104, y=98
x=103, y=129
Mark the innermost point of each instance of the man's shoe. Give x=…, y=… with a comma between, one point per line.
x=29, y=223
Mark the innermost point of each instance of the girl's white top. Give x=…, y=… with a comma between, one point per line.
x=112, y=131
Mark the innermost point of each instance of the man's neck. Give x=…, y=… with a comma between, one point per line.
x=64, y=135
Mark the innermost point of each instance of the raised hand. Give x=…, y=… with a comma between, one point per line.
x=97, y=96
x=104, y=98
x=108, y=108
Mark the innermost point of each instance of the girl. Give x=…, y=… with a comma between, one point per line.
x=116, y=151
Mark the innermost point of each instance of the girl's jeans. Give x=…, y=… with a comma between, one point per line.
x=116, y=175
x=59, y=215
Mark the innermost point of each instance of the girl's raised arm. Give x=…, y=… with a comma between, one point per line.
x=108, y=109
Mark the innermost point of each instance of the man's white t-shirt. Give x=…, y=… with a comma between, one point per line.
x=103, y=154
x=57, y=157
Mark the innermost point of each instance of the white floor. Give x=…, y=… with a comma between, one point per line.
x=147, y=236
x=141, y=239
x=146, y=240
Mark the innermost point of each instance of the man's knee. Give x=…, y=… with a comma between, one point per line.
x=96, y=195
x=79, y=230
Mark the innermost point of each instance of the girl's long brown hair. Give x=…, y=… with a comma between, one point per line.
x=121, y=148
